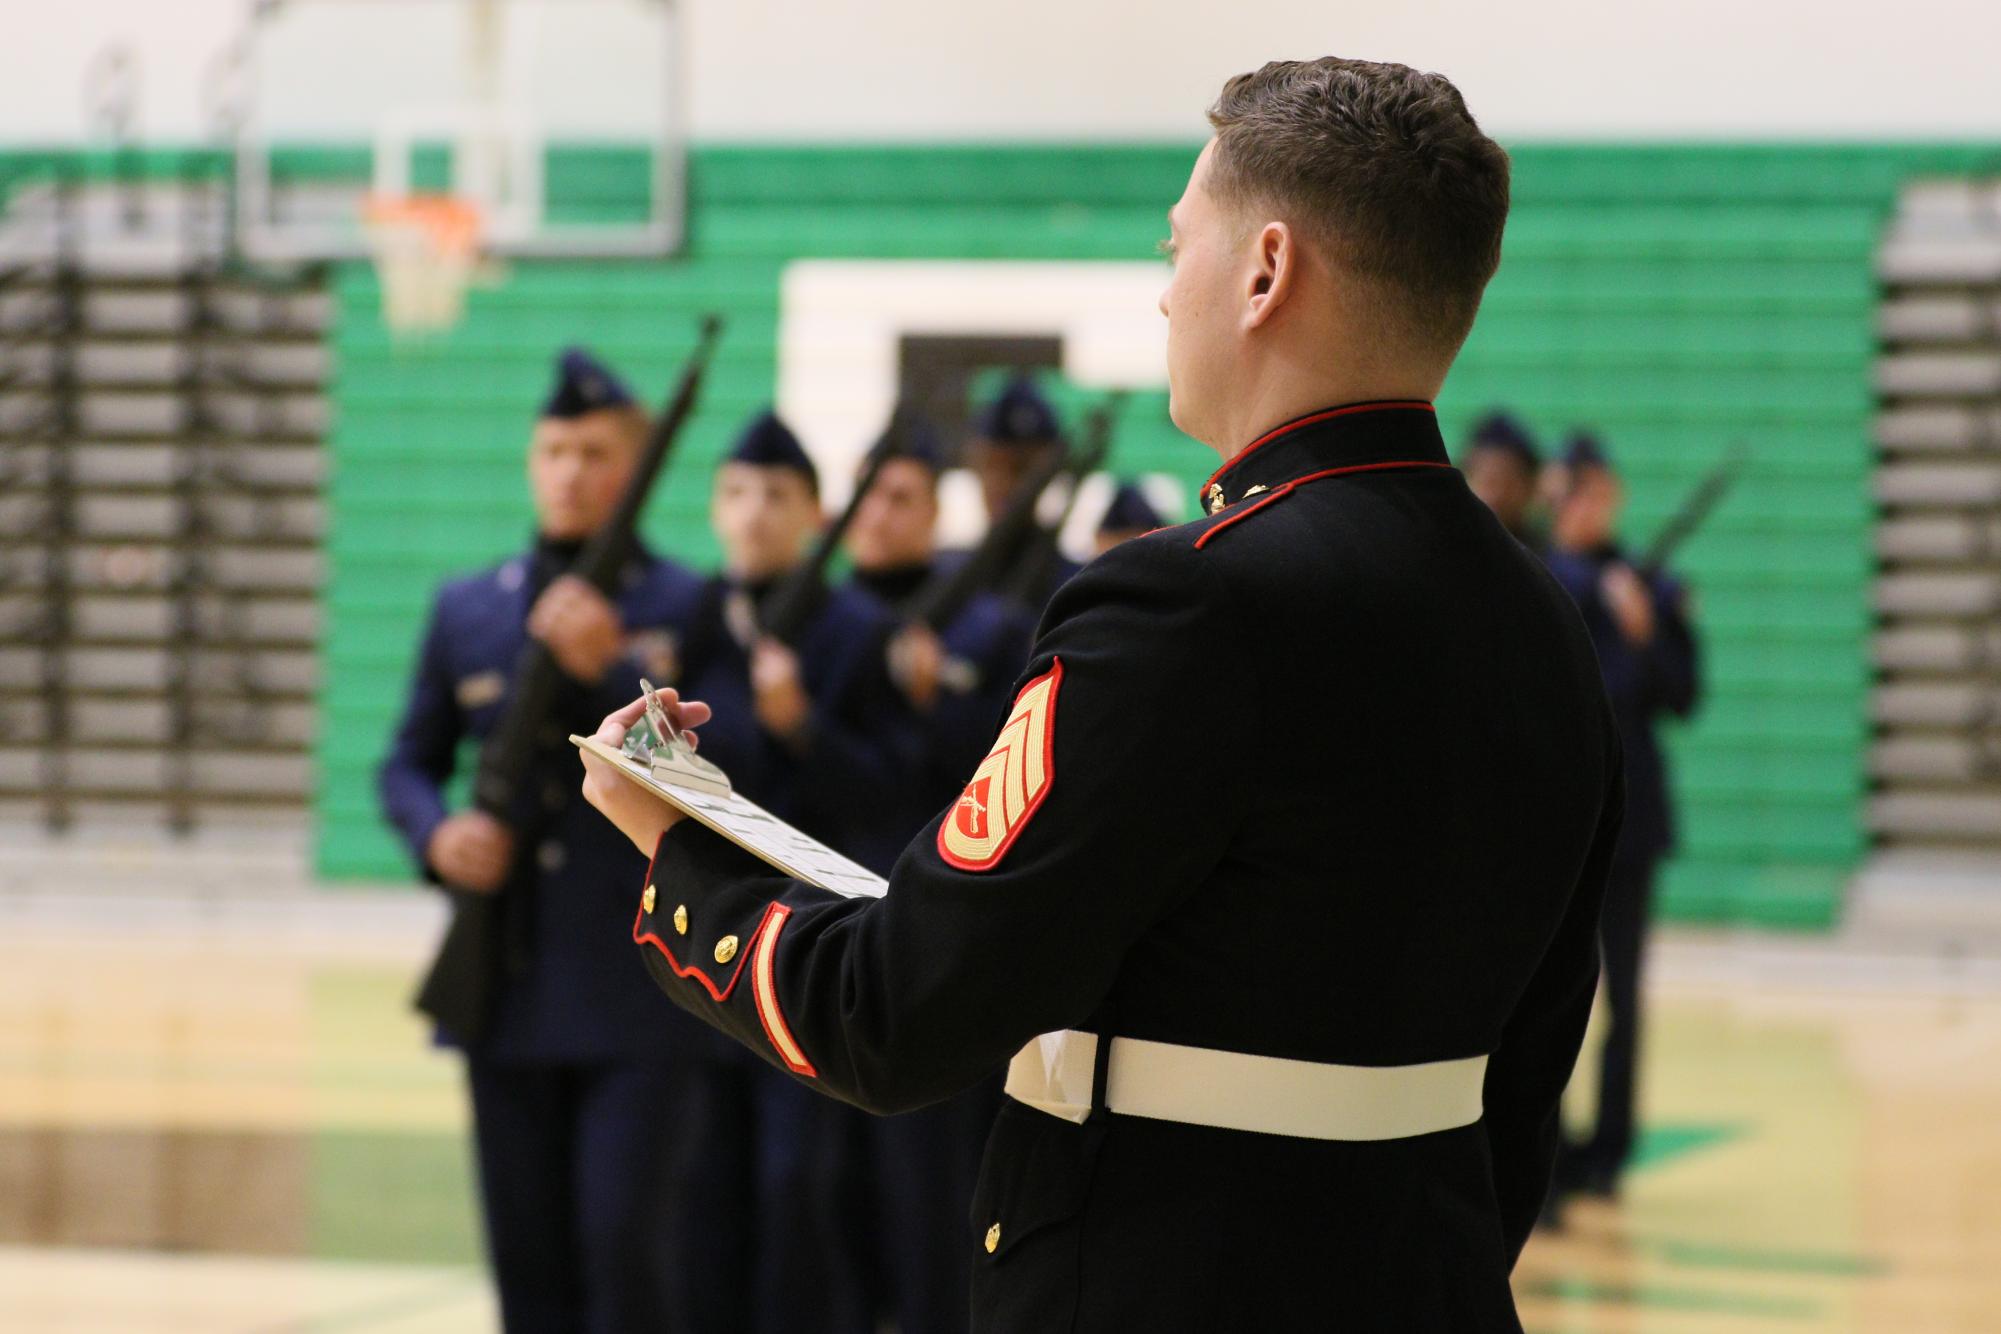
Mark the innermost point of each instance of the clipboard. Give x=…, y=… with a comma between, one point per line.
x=657, y=758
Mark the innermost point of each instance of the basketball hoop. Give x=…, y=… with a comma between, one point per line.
x=426, y=249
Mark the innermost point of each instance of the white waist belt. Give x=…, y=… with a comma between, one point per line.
x=1231, y=1090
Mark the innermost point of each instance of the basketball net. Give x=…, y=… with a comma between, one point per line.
x=426, y=248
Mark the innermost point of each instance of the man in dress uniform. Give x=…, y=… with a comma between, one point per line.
x=812, y=731
x=1129, y=515
x=1015, y=434
x=573, y=1079
x=957, y=682
x=1503, y=466
x=1647, y=649
x=1291, y=996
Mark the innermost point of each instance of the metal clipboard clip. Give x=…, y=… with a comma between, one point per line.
x=663, y=750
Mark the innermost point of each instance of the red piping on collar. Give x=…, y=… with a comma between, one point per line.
x=1285, y=490
x=1400, y=404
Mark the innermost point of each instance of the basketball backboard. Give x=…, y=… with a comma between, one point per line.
x=557, y=119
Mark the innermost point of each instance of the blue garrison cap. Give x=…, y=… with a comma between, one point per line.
x=583, y=384
x=910, y=436
x=1018, y=415
x=768, y=442
x=1585, y=450
x=1130, y=512
x=1498, y=430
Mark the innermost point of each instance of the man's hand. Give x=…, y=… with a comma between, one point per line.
x=1631, y=605
x=639, y=815
x=782, y=703
x=471, y=851
x=916, y=661
x=580, y=626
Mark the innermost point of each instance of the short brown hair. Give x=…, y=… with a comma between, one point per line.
x=1381, y=164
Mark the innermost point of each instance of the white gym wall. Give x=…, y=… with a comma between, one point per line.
x=784, y=69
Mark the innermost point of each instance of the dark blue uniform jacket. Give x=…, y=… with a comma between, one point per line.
x=1328, y=775
x=857, y=746
x=575, y=998
x=1644, y=683
x=985, y=647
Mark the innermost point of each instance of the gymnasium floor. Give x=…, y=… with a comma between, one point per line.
x=219, y=1116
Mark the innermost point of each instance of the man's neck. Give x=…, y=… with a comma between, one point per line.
x=1257, y=420
x=758, y=579
x=566, y=547
x=897, y=565
x=896, y=580
x=1292, y=385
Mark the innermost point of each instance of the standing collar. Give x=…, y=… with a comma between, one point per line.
x=895, y=584
x=556, y=554
x=1357, y=434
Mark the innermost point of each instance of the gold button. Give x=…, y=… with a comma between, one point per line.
x=993, y=1238
x=726, y=949
x=646, y=900
x=681, y=920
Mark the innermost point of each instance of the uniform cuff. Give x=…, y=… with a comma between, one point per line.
x=706, y=922
x=419, y=832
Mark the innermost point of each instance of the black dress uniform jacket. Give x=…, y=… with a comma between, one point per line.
x=1326, y=775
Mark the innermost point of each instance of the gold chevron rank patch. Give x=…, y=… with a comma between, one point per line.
x=1010, y=782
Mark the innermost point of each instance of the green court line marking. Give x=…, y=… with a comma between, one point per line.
x=1707, y=1255
x=1662, y=1144
x=395, y=1196
x=1661, y=1297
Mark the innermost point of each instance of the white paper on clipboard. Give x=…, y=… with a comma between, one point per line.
x=751, y=827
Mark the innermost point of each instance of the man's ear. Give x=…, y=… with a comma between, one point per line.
x=1274, y=267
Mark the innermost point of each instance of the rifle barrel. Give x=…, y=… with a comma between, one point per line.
x=486, y=937
x=537, y=680
x=1010, y=539
x=1695, y=508
x=601, y=558
x=792, y=602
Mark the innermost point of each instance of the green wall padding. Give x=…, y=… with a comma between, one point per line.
x=1676, y=298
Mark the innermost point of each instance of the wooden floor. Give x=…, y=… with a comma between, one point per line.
x=1841, y=1171
x=215, y=1130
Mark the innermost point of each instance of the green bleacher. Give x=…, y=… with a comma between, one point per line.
x=1676, y=298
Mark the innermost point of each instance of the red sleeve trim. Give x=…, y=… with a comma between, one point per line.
x=764, y=989
x=718, y=995
x=1389, y=405
x=992, y=859
x=1239, y=516
x=641, y=936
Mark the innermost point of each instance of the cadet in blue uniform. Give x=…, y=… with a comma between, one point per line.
x=1503, y=466
x=1281, y=880
x=1013, y=436
x=573, y=1080
x=1129, y=515
x=1639, y=623
x=956, y=682
x=802, y=734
